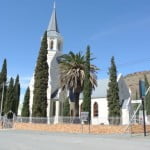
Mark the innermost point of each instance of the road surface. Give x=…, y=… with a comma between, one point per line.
x=35, y=140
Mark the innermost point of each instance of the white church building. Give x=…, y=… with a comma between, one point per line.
x=99, y=109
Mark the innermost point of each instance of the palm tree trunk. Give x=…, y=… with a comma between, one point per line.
x=76, y=95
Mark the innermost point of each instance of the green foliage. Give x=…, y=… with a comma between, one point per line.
x=39, y=108
x=3, y=73
x=3, y=79
x=72, y=75
x=10, y=102
x=113, y=94
x=25, y=109
x=16, y=94
x=147, y=97
x=86, y=106
x=66, y=107
x=11, y=94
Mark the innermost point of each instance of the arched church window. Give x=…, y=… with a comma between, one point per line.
x=54, y=108
x=71, y=112
x=95, y=110
x=52, y=44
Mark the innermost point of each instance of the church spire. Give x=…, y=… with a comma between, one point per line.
x=54, y=5
x=53, y=26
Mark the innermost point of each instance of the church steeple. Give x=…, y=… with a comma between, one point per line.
x=53, y=26
x=55, y=40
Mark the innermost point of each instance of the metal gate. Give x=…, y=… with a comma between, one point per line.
x=6, y=122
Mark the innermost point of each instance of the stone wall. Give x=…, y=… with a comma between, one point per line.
x=139, y=129
x=74, y=128
x=71, y=128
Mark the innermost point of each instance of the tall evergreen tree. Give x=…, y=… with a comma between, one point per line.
x=147, y=97
x=113, y=95
x=3, y=79
x=10, y=102
x=66, y=107
x=25, y=109
x=86, y=106
x=41, y=82
x=16, y=94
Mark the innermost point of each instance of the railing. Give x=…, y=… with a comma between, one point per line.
x=69, y=120
x=51, y=120
x=73, y=120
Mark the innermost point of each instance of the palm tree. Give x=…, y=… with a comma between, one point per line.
x=72, y=75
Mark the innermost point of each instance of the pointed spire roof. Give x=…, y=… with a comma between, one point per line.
x=53, y=26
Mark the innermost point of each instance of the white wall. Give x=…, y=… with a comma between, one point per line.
x=125, y=100
x=102, y=117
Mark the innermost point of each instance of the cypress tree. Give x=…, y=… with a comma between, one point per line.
x=147, y=97
x=3, y=74
x=16, y=94
x=9, y=103
x=25, y=109
x=41, y=82
x=66, y=107
x=3, y=79
x=86, y=106
x=113, y=95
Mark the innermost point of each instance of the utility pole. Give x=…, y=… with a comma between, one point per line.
x=3, y=84
x=143, y=93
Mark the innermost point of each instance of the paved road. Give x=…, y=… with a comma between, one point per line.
x=33, y=140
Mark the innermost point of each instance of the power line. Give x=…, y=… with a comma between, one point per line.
x=132, y=63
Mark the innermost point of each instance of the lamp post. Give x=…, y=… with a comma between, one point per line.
x=143, y=93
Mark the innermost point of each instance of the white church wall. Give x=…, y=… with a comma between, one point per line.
x=125, y=100
x=125, y=116
x=53, y=83
x=102, y=117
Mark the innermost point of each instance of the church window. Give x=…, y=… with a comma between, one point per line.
x=52, y=44
x=54, y=108
x=72, y=112
x=95, y=110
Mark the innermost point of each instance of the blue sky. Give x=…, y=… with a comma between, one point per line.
x=119, y=28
